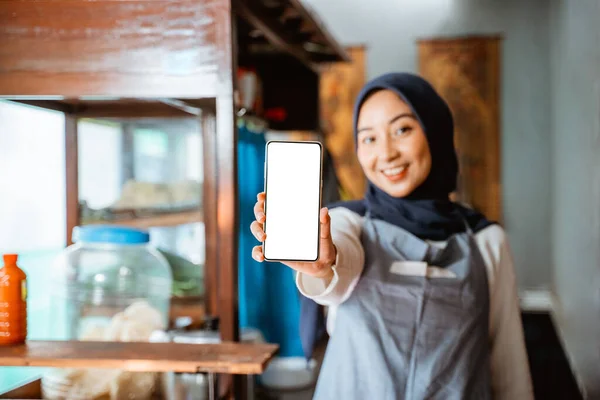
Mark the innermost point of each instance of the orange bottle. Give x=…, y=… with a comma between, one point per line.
x=13, y=302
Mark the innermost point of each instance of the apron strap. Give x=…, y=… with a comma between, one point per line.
x=467, y=226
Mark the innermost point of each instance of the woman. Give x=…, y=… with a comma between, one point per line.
x=421, y=291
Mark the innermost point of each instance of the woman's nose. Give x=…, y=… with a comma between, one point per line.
x=388, y=151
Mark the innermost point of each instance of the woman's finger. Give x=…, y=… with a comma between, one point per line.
x=327, y=250
x=257, y=254
x=259, y=209
x=325, y=223
x=257, y=231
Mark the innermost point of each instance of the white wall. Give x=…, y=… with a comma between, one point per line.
x=575, y=70
x=576, y=171
x=390, y=28
x=576, y=119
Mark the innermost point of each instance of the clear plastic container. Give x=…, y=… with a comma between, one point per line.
x=111, y=285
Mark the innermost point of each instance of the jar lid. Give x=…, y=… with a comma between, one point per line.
x=110, y=234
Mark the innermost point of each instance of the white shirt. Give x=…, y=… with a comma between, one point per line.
x=509, y=364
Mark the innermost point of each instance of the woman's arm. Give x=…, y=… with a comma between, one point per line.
x=509, y=364
x=345, y=232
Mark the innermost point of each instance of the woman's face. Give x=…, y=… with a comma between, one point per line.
x=392, y=147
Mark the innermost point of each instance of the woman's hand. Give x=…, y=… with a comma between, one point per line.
x=327, y=251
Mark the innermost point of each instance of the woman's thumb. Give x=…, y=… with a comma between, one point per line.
x=328, y=251
x=325, y=224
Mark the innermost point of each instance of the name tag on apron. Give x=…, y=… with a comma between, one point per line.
x=420, y=268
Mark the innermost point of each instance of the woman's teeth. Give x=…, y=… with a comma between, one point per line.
x=394, y=171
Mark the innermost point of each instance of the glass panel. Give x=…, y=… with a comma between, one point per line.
x=148, y=174
x=129, y=167
x=100, y=159
x=32, y=209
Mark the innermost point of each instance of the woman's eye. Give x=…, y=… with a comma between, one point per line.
x=368, y=140
x=403, y=131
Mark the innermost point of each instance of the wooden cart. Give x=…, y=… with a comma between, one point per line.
x=168, y=58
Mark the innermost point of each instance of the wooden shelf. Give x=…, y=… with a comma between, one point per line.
x=167, y=219
x=228, y=358
x=121, y=108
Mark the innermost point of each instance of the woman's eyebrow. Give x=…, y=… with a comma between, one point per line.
x=396, y=118
x=403, y=115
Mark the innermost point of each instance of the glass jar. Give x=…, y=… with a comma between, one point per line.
x=111, y=285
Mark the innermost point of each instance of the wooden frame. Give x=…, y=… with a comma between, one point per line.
x=466, y=72
x=165, y=58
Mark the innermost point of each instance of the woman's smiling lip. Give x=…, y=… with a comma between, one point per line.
x=396, y=173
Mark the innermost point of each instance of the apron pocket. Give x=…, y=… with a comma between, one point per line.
x=444, y=306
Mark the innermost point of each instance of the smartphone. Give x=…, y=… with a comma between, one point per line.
x=293, y=185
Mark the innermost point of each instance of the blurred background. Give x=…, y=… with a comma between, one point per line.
x=522, y=79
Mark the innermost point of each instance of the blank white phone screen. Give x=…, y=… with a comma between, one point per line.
x=293, y=201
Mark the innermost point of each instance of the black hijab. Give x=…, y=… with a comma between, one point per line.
x=427, y=212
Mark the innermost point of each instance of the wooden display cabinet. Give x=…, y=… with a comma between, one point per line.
x=169, y=59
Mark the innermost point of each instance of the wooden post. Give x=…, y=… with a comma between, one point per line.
x=71, y=175
x=227, y=221
x=231, y=386
x=209, y=205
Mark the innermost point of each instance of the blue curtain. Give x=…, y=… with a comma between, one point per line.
x=268, y=298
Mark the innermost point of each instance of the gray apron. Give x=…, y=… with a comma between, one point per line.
x=403, y=337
